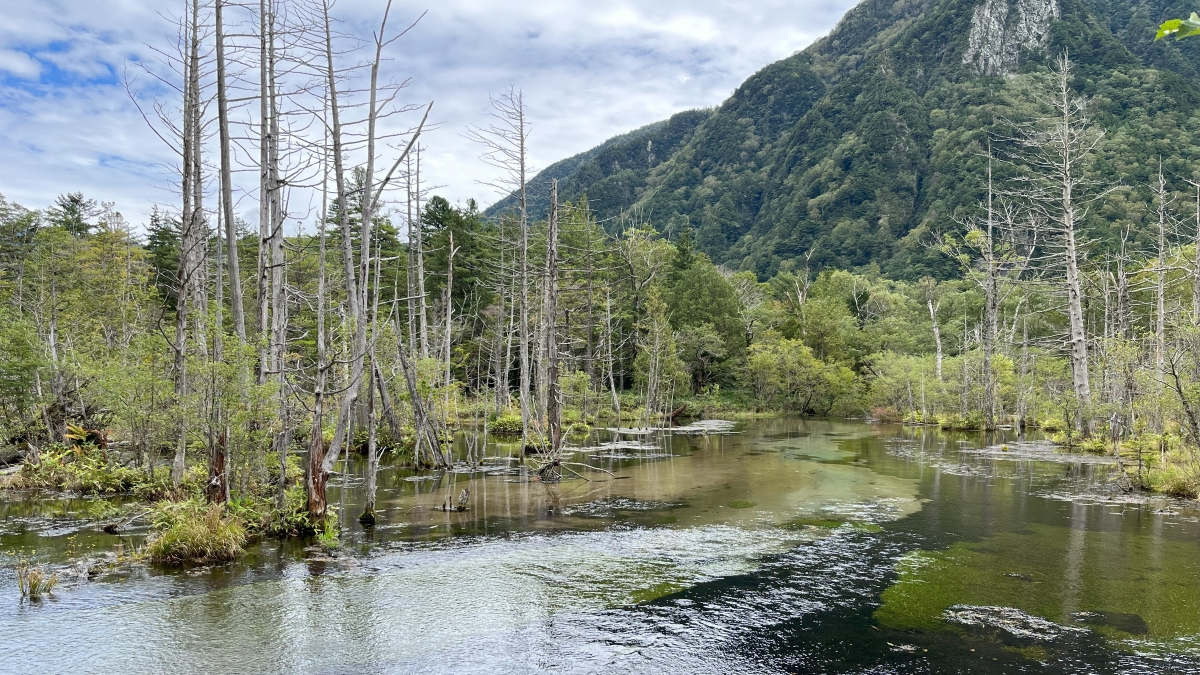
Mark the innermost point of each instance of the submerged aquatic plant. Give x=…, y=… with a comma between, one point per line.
x=34, y=582
x=194, y=532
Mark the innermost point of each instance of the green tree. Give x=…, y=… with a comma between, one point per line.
x=162, y=245
x=74, y=213
x=699, y=294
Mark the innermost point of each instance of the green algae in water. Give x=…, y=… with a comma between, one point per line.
x=1066, y=575
x=807, y=521
x=656, y=591
x=830, y=524
x=742, y=504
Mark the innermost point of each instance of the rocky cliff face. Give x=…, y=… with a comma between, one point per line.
x=1000, y=29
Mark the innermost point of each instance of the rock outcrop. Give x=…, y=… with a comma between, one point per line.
x=1000, y=29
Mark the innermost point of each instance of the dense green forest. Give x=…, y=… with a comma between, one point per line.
x=869, y=228
x=865, y=144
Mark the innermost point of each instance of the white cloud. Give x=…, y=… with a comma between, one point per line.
x=19, y=64
x=588, y=70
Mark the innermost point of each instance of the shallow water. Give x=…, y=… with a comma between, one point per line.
x=789, y=545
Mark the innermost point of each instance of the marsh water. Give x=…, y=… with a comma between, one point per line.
x=774, y=546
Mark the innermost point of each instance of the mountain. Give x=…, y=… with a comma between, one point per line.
x=863, y=145
x=612, y=173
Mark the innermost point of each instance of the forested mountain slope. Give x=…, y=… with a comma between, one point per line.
x=865, y=144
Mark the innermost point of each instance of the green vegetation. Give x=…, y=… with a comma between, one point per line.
x=856, y=150
x=194, y=532
x=88, y=471
x=862, y=229
x=35, y=582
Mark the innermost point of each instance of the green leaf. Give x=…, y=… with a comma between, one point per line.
x=1168, y=28
x=1180, y=28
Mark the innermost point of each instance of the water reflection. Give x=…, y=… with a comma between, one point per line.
x=702, y=553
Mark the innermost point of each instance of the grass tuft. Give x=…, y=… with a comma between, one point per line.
x=35, y=582
x=194, y=532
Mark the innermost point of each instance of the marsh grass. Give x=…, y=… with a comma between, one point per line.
x=192, y=532
x=327, y=534
x=35, y=582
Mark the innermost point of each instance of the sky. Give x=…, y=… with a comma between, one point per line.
x=588, y=71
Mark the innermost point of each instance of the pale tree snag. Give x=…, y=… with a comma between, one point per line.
x=1060, y=148
x=504, y=144
x=233, y=270
x=190, y=241
x=372, y=192
x=929, y=285
x=316, y=447
x=321, y=459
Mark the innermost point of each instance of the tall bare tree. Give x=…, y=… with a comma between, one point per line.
x=505, y=146
x=231, y=257
x=1058, y=151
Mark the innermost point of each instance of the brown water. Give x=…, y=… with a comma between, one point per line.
x=790, y=545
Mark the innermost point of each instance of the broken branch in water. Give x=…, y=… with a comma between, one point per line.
x=593, y=468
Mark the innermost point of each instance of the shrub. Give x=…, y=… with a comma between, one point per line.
x=1097, y=444
x=87, y=470
x=194, y=532
x=507, y=422
x=1051, y=425
x=327, y=534
x=886, y=414
x=973, y=421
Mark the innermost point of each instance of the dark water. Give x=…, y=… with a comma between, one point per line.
x=789, y=546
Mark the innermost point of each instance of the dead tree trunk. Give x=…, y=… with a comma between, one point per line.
x=318, y=480
x=991, y=294
x=316, y=441
x=422, y=300
x=1061, y=153
x=231, y=256
x=553, y=392
x=188, y=246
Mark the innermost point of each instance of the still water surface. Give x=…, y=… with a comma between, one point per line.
x=785, y=545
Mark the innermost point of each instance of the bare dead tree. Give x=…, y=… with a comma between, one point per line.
x=504, y=143
x=231, y=258
x=1058, y=149
x=372, y=192
x=994, y=252
x=550, y=310
x=929, y=285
